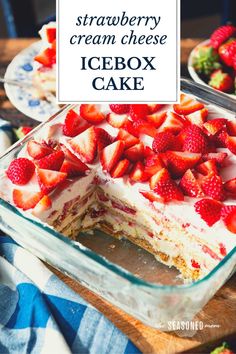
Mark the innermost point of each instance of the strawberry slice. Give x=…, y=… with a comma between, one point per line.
x=91, y=113
x=128, y=138
x=187, y=105
x=25, y=199
x=228, y=215
x=111, y=154
x=209, y=210
x=173, y=123
x=74, y=124
x=207, y=167
x=219, y=157
x=119, y=108
x=231, y=144
x=148, y=151
x=117, y=120
x=74, y=169
x=230, y=186
x=190, y=185
x=152, y=108
x=129, y=127
x=198, y=117
x=37, y=150
x=165, y=187
x=221, y=137
x=212, y=186
x=231, y=127
x=85, y=145
x=157, y=118
x=51, y=34
x=153, y=165
x=144, y=127
x=179, y=162
x=49, y=180
x=138, y=111
x=120, y=169
x=138, y=173
x=47, y=57
x=151, y=196
x=103, y=138
x=215, y=125
x=195, y=140
x=52, y=161
x=163, y=141
x=135, y=153
x=44, y=204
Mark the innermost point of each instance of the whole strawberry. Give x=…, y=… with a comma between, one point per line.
x=221, y=35
x=221, y=81
x=20, y=171
x=227, y=52
x=206, y=60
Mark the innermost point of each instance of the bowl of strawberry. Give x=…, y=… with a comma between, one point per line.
x=213, y=62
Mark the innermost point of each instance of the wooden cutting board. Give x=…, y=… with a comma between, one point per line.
x=219, y=315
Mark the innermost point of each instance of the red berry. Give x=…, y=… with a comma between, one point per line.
x=91, y=113
x=195, y=140
x=52, y=161
x=25, y=199
x=103, y=138
x=74, y=124
x=20, y=171
x=163, y=141
x=212, y=186
x=138, y=111
x=209, y=210
x=190, y=185
x=228, y=214
x=119, y=108
x=221, y=81
x=221, y=35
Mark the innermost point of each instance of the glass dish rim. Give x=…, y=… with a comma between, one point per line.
x=118, y=270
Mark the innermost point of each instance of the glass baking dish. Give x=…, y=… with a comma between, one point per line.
x=117, y=270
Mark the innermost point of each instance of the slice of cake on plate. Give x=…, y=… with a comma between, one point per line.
x=163, y=177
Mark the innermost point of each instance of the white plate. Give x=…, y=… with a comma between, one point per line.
x=21, y=69
x=194, y=75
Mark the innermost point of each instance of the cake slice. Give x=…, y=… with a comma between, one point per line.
x=161, y=176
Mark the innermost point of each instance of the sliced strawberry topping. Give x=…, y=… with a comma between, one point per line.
x=37, y=150
x=135, y=152
x=187, y=105
x=157, y=118
x=120, y=169
x=152, y=108
x=221, y=137
x=230, y=186
x=228, y=214
x=111, y=154
x=128, y=138
x=198, y=117
x=47, y=57
x=195, y=140
x=215, y=125
x=231, y=144
x=151, y=196
x=44, y=204
x=231, y=127
x=153, y=165
x=179, y=162
x=91, y=113
x=129, y=127
x=74, y=124
x=143, y=127
x=103, y=138
x=165, y=187
x=51, y=34
x=119, y=108
x=116, y=120
x=190, y=185
x=138, y=111
x=207, y=167
x=195, y=264
x=138, y=173
x=20, y=171
x=209, y=210
x=74, y=169
x=163, y=141
x=148, y=151
x=219, y=157
x=52, y=161
x=173, y=123
x=49, y=180
x=212, y=186
x=26, y=199
x=85, y=145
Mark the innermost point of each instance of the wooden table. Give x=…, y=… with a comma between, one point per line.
x=220, y=310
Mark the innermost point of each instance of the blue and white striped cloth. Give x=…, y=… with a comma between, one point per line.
x=39, y=313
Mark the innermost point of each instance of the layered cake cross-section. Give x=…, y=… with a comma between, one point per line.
x=162, y=176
